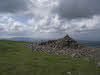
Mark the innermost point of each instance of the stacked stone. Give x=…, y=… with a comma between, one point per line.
x=65, y=46
x=61, y=43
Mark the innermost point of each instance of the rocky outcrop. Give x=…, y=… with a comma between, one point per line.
x=64, y=46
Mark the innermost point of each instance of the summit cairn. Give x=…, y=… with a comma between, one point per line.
x=65, y=46
x=62, y=43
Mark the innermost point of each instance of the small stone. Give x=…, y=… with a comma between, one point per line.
x=69, y=73
x=98, y=64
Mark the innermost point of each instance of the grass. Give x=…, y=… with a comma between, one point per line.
x=15, y=59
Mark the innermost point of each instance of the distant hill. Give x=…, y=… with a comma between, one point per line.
x=89, y=43
x=25, y=39
x=29, y=39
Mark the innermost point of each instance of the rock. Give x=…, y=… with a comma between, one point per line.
x=98, y=64
x=63, y=42
x=69, y=73
x=65, y=46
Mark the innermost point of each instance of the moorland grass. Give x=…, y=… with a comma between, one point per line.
x=15, y=59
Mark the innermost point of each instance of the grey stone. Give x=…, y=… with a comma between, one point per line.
x=65, y=46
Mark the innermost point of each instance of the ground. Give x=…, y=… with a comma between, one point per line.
x=16, y=59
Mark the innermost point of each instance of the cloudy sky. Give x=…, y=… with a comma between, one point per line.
x=50, y=19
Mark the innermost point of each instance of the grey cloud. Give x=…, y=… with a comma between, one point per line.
x=1, y=29
x=72, y=9
x=23, y=33
x=13, y=6
x=17, y=28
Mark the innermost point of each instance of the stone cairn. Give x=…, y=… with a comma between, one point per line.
x=65, y=46
x=62, y=43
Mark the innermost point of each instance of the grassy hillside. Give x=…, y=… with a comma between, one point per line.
x=15, y=59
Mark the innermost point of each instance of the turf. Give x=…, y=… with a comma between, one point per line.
x=15, y=59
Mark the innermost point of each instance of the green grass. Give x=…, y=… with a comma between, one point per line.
x=15, y=59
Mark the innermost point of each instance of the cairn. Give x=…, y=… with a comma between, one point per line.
x=65, y=46
x=62, y=43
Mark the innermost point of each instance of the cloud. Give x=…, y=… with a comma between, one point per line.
x=35, y=18
x=48, y=24
x=73, y=9
x=53, y=24
x=13, y=6
x=13, y=27
x=1, y=29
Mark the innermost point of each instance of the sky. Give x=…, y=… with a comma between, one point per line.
x=50, y=19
